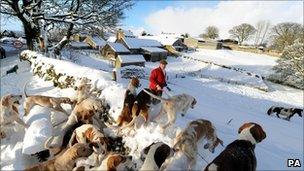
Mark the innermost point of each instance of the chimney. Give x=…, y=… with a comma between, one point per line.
x=120, y=35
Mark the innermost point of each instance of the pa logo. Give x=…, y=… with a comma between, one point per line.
x=293, y=163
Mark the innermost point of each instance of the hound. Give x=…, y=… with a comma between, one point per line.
x=130, y=97
x=67, y=160
x=239, y=155
x=12, y=70
x=185, y=145
x=82, y=113
x=9, y=112
x=115, y=162
x=155, y=155
x=288, y=112
x=90, y=133
x=45, y=101
x=140, y=109
x=174, y=104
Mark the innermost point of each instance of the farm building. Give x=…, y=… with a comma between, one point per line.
x=134, y=44
x=190, y=42
x=112, y=50
x=95, y=42
x=79, y=37
x=79, y=45
x=209, y=44
x=111, y=39
x=153, y=53
x=126, y=60
x=169, y=40
x=229, y=41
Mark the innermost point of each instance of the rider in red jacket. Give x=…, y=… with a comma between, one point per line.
x=158, y=78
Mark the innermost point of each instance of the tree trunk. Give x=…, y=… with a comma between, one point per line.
x=30, y=36
x=63, y=42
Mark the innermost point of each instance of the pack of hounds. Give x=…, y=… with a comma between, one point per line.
x=84, y=145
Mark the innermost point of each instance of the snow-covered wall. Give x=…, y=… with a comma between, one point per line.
x=64, y=74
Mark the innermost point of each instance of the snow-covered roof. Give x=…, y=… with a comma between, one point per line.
x=112, y=39
x=136, y=43
x=153, y=49
x=118, y=47
x=131, y=58
x=98, y=41
x=163, y=39
x=79, y=44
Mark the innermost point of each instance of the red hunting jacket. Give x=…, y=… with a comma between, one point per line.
x=157, y=77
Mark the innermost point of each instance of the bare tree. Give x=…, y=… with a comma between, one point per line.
x=186, y=35
x=143, y=33
x=242, y=32
x=211, y=32
x=285, y=34
x=70, y=14
x=262, y=28
x=23, y=10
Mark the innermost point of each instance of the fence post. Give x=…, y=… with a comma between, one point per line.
x=114, y=75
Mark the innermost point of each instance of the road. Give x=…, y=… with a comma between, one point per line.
x=10, y=50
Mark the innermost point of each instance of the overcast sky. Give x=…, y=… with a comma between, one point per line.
x=194, y=16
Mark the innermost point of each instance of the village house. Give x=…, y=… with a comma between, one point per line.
x=209, y=44
x=190, y=42
x=171, y=43
x=126, y=33
x=95, y=42
x=79, y=37
x=131, y=59
x=120, y=56
x=149, y=48
x=153, y=53
x=111, y=50
x=78, y=45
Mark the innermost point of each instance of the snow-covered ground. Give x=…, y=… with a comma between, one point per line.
x=257, y=63
x=218, y=102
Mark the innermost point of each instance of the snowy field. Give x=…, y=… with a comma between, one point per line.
x=260, y=64
x=218, y=102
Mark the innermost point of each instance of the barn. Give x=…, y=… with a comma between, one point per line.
x=112, y=50
x=153, y=53
x=95, y=42
x=209, y=44
x=79, y=45
x=126, y=60
x=169, y=41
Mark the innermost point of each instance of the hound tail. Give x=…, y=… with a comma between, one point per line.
x=154, y=96
x=24, y=92
x=270, y=110
x=54, y=148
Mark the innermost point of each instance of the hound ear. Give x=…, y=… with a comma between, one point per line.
x=5, y=100
x=111, y=165
x=94, y=145
x=245, y=125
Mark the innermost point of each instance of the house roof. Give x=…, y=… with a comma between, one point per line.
x=118, y=47
x=163, y=39
x=153, y=49
x=98, y=41
x=79, y=44
x=131, y=58
x=112, y=39
x=136, y=43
